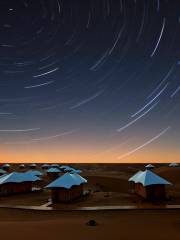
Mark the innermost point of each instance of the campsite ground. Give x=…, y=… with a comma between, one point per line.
x=136, y=224
x=109, y=186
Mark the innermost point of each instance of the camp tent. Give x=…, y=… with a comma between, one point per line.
x=22, y=166
x=149, y=185
x=66, y=168
x=54, y=165
x=67, y=187
x=53, y=173
x=33, y=165
x=2, y=172
x=53, y=170
x=150, y=166
x=6, y=166
x=16, y=182
x=173, y=164
x=45, y=166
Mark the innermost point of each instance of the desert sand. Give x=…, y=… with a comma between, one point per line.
x=109, y=186
x=153, y=224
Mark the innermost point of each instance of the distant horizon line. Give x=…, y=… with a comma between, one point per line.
x=145, y=162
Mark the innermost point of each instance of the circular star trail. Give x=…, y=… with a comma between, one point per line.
x=97, y=76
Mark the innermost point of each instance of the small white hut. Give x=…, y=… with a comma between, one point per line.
x=174, y=164
x=45, y=166
x=22, y=166
x=33, y=165
x=149, y=167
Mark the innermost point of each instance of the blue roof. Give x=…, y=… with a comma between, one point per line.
x=45, y=165
x=135, y=176
x=55, y=165
x=33, y=165
x=173, y=164
x=63, y=166
x=35, y=172
x=6, y=165
x=22, y=165
x=67, y=181
x=53, y=170
x=66, y=167
x=16, y=177
x=2, y=171
x=147, y=178
x=150, y=166
x=70, y=169
x=76, y=171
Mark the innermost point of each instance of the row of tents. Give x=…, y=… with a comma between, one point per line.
x=49, y=168
x=173, y=164
x=34, y=165
x=63, y=167
x=69, y=185
x=65, y=187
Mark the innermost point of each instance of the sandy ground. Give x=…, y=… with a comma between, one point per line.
x=21, y=224
x=109, y=186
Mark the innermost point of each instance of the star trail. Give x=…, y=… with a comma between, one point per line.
x=89, y=81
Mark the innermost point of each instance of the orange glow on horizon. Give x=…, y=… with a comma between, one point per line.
x=84, y=155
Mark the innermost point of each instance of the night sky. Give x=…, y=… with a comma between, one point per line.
x=89, y=80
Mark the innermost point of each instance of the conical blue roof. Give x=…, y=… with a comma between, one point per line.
x=173, y=164
x=67, y=168
x=67, y=181
x=53, y=170
x=45, y=165
x=2, y=171
x=35, y=172
x=16, y=177
x=147, y=178
x=33, y=165
x=55, y=165
x=22, y=165
x=6, y=165
x=149, y=166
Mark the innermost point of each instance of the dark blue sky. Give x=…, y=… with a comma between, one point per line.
x=101, y=76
